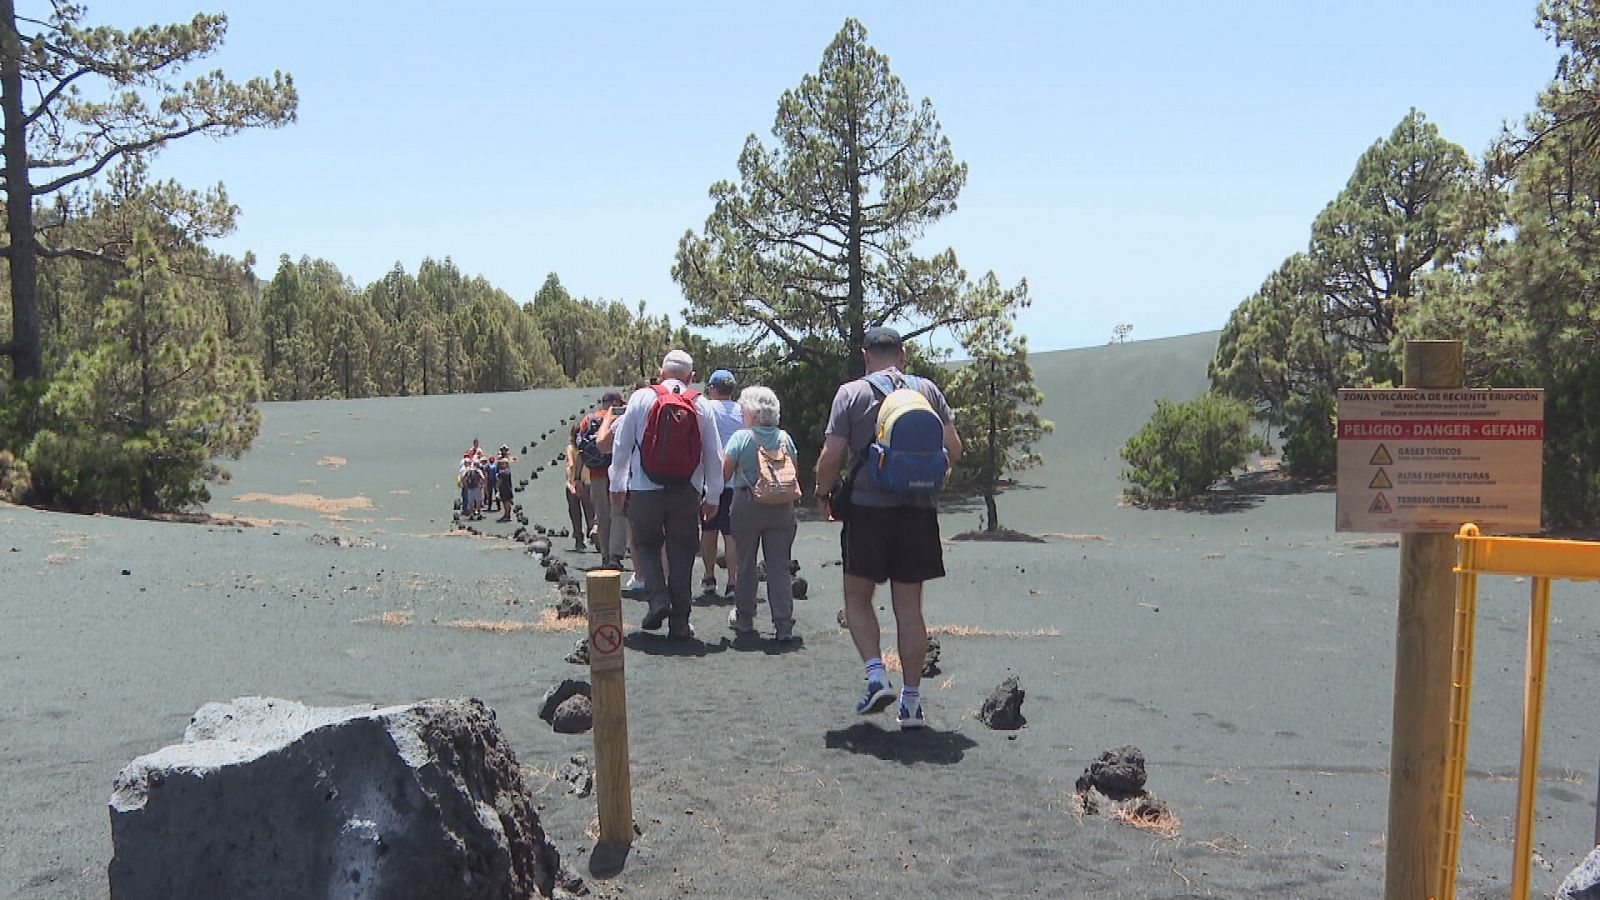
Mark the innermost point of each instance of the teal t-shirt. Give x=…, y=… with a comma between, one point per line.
x=742, y=450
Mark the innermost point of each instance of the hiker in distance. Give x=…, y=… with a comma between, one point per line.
x=899, y=433
x=666, y=474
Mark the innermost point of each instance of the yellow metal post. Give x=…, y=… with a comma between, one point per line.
x=1532, y=710
x=1542, y=560
x=1460, y=711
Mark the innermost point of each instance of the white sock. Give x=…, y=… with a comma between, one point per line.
x=875, y=671
x=911, y=698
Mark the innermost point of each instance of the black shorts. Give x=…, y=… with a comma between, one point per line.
x=720, y=523
x=892, y=543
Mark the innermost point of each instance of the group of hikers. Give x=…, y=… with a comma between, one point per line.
x=663, y=473
x=485, y=482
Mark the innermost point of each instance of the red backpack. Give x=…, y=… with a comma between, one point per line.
x=670, y=449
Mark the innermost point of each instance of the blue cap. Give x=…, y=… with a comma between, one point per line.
x=722, y=378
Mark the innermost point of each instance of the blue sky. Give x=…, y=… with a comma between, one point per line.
x=1139, y=163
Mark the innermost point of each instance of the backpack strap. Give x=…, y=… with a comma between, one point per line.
x=885, y=385
x=664, y=391
x=880, y=382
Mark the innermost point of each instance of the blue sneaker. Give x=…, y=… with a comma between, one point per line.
x=878, y=697
x=910, y=720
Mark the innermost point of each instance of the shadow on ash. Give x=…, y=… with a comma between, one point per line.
x=272, y=798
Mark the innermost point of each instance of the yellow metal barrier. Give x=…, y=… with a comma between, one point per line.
x=1542, y=560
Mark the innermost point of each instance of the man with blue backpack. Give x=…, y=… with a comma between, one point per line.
x=899, y=433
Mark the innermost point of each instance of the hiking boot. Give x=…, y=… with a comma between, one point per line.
x=878, y=697
x=680, y=631
x=659, y=607
x=783, y=633
x=739, y=624
x=578, y=545
x=910, y=720
x=708, y=586
x=732, y=589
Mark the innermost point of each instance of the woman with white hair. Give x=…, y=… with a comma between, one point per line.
x=759, y=464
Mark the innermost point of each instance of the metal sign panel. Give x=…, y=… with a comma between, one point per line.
x=1428, y=460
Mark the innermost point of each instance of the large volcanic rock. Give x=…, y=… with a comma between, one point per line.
x=1582, y=883
x=270, y=798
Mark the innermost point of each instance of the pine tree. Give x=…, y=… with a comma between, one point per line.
x=813, y=245
x=995, y=398
x=78, y=98
x=135, y=420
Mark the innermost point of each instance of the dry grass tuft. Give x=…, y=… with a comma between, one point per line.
x=59, y=559
x=969, y=631
x=1068, y=536
x=550, y=621
x=333, y=462
x=494, y=626
x=1161, y=822
x=397, y=618
x=891, y=660
x=77, y=540
x=309, y=501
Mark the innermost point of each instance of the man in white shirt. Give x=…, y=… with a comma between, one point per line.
x=666, y=514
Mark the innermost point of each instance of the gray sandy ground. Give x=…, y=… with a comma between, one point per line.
x=1249, y=653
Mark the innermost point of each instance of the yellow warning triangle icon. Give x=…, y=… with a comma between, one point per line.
x=1380, y=504
x=1381, y=482
x=1381, y=457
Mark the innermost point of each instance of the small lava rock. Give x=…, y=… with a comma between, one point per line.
x=580, y=654
x=1002, y=711
x=1118, y=773
x=574, y=716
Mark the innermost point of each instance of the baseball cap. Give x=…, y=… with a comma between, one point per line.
x=881, y=337
x=722, y=378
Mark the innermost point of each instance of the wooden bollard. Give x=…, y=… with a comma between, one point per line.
x=613, y=787
x=1424, y=631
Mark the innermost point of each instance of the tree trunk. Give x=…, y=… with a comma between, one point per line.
x=27, y=357
x=856, y=300
x=144, y=345
x=991, y=469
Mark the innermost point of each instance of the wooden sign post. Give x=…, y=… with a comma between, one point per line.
x=613, y=787
x=1424, y=630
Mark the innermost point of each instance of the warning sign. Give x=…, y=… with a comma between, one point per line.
x=605, y=639
x=1415, y=459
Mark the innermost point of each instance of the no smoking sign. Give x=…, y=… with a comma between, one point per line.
x=605, y=639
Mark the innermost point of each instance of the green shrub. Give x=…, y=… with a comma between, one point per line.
x=1186, y=447
x=15, y=480
x=1310, y=448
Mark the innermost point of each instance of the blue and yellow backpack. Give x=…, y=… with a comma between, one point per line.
x=907, y=454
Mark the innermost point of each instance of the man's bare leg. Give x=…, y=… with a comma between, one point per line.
x=911, y=630
x=861, y=617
